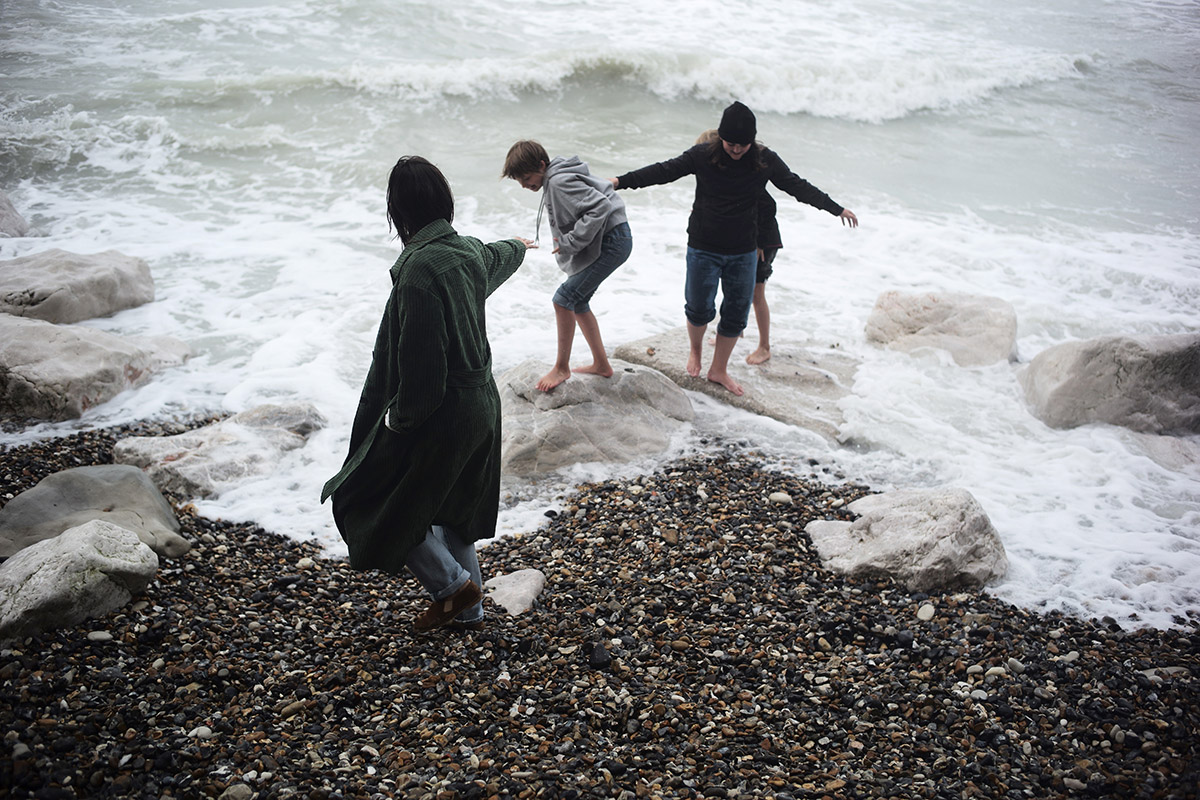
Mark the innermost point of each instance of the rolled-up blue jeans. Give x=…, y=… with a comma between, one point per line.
x=577, y=290
x=443, y=563
x=734, y=274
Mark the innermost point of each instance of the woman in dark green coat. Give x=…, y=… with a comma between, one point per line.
x=421, y=483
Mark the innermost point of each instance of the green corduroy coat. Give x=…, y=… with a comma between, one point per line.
x=425, y=444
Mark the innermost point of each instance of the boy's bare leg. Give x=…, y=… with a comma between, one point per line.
x=695, y=347
x=564, y=321
x=718, y=371
x=590, y=329
x=762, y=316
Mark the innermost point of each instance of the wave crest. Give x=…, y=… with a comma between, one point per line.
x=873, y=89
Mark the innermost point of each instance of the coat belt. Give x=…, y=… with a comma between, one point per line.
x=469, y=378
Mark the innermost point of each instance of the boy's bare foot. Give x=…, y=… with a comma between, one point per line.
x=693, y=364
x=759, y=356
x=553, y=378
x=726, y=380
x=591, y=369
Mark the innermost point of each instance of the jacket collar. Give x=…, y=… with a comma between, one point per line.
x=434, y=230
x=438, y=229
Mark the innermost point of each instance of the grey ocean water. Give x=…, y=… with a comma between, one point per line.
x=1042, y=152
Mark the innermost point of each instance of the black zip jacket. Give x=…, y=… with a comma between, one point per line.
x=724, y=215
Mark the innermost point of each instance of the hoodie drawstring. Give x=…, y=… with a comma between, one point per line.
x=537, y=233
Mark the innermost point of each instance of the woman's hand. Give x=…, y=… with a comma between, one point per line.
x=848, y=218
x=529, y=244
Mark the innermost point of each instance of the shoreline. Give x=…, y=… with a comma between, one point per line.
x=688, y=644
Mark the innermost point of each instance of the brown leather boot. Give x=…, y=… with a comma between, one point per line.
x=440, y=612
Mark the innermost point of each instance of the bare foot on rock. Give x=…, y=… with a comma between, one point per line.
x=759, y=356
x=726, y=380
x=693, y=365
x=605, y=371
x=553, y=378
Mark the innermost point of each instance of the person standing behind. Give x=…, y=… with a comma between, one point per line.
x=730, y=175
x=769, y=243
x=421, y=482
x=591, y=239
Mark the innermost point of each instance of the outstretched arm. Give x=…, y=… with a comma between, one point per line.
x=663, y=172
x=802, y=190
x=501, y=259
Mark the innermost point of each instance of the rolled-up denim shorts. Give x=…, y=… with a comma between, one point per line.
x=577, y=290
x=735, y=276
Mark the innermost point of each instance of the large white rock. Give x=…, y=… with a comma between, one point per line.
x=975, y=330
x=206, y=461
x=1149, y=384
x=122, y=495
x=56, y=372
x=517, y=591
x=12, y=224
x=800, y=385
x=58, y=286
x=86, y=572
x=926, y=539
x=633, y=414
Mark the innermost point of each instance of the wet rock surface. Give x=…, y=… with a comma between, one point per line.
x=688, y=644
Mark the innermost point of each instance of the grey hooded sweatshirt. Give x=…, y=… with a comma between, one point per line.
x=581, y=209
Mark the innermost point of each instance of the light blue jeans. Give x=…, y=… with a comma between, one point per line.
x=577, y=290
x=443, y=563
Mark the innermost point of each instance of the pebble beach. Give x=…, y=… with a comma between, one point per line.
x=688, y=644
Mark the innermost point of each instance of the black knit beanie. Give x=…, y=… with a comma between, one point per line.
x=737, y=124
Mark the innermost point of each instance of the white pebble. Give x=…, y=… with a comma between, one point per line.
x=925, y=612
x=201, y=732
x=780, y=498
x=100, y=636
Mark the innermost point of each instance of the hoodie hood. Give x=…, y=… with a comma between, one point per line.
x=562, y=166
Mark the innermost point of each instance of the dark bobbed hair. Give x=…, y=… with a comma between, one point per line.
x=418, y=193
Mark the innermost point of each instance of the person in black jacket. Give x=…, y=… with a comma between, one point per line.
x=731, y=175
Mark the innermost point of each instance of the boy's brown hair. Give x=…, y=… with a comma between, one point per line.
x=524, y=157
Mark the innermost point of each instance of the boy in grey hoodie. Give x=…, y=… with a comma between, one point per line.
x=591, y=239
